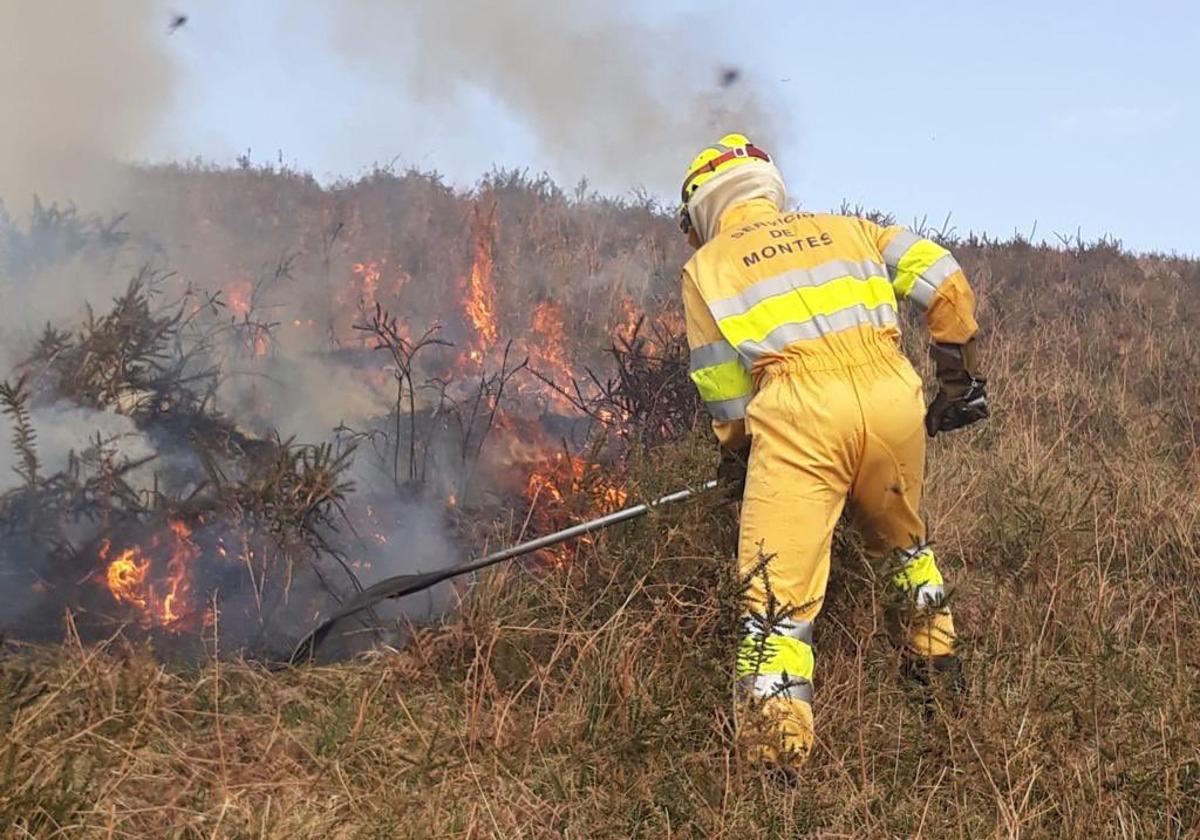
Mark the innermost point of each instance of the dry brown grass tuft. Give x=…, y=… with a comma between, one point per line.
x=595, y=701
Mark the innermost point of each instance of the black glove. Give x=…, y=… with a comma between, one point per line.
x=962, y=392
x=731, y=471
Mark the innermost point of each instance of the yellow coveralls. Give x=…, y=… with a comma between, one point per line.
x=791, y=321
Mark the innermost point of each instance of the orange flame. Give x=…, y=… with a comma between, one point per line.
x=160, y=599
x=240, y=294
x=127, y=576
x=480, y=302
x=549, y=328
x=631, y=318
x=569, y=489
x=561, y=475
x=368, y=274
x=371, y=282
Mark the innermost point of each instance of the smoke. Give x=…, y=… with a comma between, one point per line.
x=84, y=84
x=64, y=428
x=290, y=393
x=605, y=98
x=84, y=87
x=388, y=536
x=382, y=537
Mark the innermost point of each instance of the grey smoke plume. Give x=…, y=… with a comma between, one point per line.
x=63, y=428
x=83, y=84
x=292, y=393
x=605, y=97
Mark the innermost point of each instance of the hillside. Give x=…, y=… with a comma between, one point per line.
x=589, y=695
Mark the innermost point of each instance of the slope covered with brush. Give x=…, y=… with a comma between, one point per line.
x=592, y=698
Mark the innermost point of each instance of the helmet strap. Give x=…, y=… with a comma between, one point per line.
x=747, y=151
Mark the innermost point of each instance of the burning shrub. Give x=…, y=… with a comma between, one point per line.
x=191, y=511
x=96, y=537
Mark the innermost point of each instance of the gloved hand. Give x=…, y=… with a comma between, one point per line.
x=962, y=391
x=731, y=471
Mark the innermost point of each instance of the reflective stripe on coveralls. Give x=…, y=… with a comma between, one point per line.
x=919, y=266
x=776, y=660
x=805, y=303
x=845, y=319
x=795, y=279
x=921, y=576
x=722, y=380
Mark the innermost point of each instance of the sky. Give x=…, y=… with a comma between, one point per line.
x=1068, y=116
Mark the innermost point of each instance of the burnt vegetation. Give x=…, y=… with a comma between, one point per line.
x=590, y=695
x=151, y=362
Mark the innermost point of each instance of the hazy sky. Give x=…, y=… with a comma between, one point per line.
x=1067, y=114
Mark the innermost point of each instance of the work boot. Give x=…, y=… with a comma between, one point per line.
x=929, y=633
x=776, y=735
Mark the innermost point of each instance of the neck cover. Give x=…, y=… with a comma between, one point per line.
x=741, y=183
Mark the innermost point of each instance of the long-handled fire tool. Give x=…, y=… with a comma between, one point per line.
x=401, y=585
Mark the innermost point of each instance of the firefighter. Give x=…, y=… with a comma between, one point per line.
x=795, y=349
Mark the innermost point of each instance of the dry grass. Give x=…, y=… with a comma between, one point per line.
x=595, y=701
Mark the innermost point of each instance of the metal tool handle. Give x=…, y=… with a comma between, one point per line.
x=579, y=530
x=401, y=585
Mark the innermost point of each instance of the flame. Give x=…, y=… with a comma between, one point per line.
x=562, y=477
x=368, y=274
x=127, y=576
x=672, y=321
x=564, y=490
x=522, y=455
x=134, y=577
x=480, y=302
x=371, y=282
x=240, y=296
x=630, y=320
x=547, y=353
